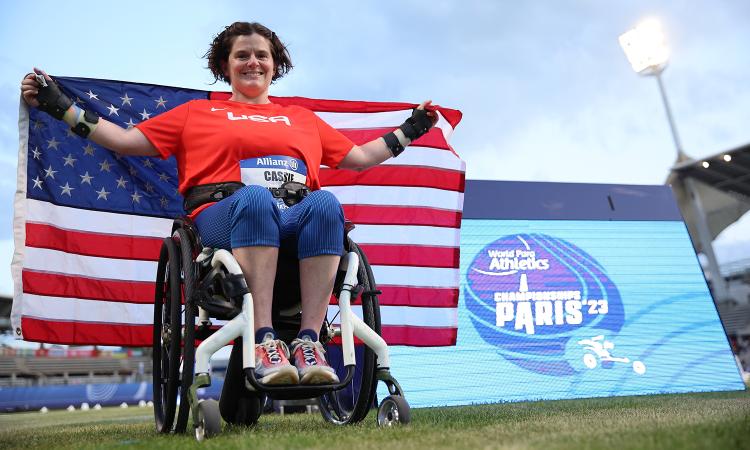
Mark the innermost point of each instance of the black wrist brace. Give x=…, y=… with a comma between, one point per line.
x=393, y=144
x=51, y=99
x=86, y=124
x=417, y=125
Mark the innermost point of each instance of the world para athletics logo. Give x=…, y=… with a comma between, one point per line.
x=540, y=301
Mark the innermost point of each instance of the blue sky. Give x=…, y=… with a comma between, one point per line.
x=546, y=92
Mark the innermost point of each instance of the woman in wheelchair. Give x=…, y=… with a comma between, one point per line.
x=233, y=158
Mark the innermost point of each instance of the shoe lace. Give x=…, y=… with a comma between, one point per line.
x=308, y=351
x=272, y=350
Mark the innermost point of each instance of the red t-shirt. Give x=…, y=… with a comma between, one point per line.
x=210, y=137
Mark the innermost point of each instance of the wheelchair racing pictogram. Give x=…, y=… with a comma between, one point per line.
x=598, y=348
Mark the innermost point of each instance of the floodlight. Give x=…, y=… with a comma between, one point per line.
x=645, y=47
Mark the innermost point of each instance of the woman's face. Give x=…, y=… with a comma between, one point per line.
x=250, y=68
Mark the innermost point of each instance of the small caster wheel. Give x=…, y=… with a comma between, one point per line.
x=208, y=422
x=393, y=410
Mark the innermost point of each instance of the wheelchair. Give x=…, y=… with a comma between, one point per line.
x=195, y=285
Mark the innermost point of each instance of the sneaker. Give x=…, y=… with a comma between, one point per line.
x=272, y=363
x=310, y=362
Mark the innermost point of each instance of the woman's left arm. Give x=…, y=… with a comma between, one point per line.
x=372, y=153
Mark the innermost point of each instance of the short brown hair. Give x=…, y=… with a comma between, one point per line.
x=218, y=52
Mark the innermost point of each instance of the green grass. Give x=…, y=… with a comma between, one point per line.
x=688, y=421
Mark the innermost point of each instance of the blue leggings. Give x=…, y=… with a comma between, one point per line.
x=250, y=218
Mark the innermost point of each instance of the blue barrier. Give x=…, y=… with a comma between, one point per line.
x=57, y=397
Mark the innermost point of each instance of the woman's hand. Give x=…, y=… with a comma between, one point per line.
x=427, y=104
x=30, y=87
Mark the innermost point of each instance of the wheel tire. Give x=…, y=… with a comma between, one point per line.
x=249, y=410
x=238, y=405
x=339, y=407
x=166, y=343
x=189, y=277
x=394, y=410
x=208, y=420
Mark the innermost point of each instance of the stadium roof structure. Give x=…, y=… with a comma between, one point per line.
x=722, y=190
x=726, y=171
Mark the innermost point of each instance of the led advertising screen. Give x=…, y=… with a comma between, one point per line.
x=572, y=290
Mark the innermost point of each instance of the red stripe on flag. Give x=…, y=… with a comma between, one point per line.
x=418, y=296
x=453, y=116
x=411, y=255
x=127, y=335
x=434, y=138
x=419, y=336
x=86, y=333
x=92, y=244
x=413, y=296
x=72, y=286
x=401, y=215
x=390, y=175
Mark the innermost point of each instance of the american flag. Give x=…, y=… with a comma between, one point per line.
x=89, y=223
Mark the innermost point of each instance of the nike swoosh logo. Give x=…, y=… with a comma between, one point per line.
x=217, y=109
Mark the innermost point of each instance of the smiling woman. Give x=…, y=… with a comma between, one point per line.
x=224, y=146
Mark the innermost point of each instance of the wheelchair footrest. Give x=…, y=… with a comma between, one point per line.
x=296, y=391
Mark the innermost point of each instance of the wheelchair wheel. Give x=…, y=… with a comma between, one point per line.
x=166, y=336
x=209, y=421
x=188, y=332
x=351, y=404
x=393, y=410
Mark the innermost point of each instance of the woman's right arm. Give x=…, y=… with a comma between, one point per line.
x=131, y=142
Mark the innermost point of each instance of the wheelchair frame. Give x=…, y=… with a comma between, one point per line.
x=175, y=353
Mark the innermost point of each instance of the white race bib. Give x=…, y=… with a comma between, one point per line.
x=272, y=171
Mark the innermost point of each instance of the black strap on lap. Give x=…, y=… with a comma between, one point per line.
x=291, y=192
x=208, y=193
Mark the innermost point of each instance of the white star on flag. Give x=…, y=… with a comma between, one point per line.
x=145, y=114
x=102, y=194
x=52, y=143
x=69, y=160
x=130, y=123
x=86, y=178
x=66, y=189
x=121, y=182
x=49, y=173
x=92, y=95
x=136, y=197
x=148, y=163
x=161, y=102
x=38, y=182
x=113, y=110
x=126, y=100
x=36, y=153
x=88, y=149
x=104, y=166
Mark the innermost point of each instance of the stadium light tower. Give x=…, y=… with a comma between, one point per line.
x=646, y=49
